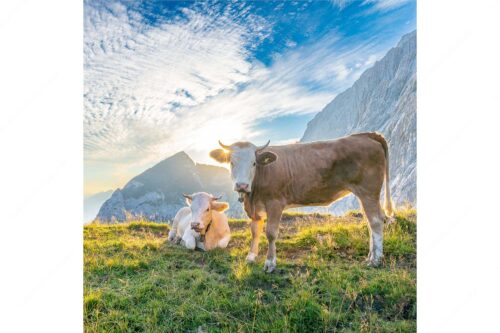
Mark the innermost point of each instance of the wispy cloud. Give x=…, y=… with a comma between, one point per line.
x=181, y=84
x=387, y=4
x=341, y=3
x=138, y=77
x=377, y=4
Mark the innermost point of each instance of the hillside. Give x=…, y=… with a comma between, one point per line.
x=136, y=282
x=156, y=194
x=92, y=204
x=383, y=99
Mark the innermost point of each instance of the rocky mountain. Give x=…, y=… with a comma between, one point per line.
x=156, y=194
x=383, y=99
x=92, y=203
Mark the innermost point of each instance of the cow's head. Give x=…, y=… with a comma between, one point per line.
x=243, y=158
x=202, y=205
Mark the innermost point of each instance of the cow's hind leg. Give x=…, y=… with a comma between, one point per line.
x=272, y=229
x=373, y=212
x=256, y=227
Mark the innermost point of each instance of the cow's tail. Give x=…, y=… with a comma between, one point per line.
x=388, y=204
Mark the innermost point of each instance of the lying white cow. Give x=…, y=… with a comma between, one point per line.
x=203, y=224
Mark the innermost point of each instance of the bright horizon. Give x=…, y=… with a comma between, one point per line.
x=181, y=76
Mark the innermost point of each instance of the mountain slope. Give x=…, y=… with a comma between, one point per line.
x=156, y=194
x=383, y=99
x=92, y=203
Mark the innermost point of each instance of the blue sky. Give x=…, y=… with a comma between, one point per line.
x=165, y=76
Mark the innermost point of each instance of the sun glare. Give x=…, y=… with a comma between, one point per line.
x=227, y=131
x=206, y=138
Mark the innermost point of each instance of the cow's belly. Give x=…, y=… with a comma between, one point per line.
x=327, y=202
x=309, y=204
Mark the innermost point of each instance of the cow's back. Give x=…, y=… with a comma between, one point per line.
x=317, y=173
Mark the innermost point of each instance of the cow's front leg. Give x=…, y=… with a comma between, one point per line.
x=189, y=239
x=272, y=229
x=256, y=227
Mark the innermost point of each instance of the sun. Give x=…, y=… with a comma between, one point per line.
x=225, y=130
x=202, y=141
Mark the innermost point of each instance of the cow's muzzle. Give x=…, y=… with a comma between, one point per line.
x=196, y=226
x=242, y=187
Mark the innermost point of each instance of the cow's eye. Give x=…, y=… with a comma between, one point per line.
x=208, y=209
x=254, y=163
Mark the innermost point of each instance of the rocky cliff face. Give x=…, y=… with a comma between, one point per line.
x=156, y=194
x=383, y=99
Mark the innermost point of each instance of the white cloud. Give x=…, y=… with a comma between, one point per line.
x=341, y=3
x=377, y=4
x=386, y=4
x=151, y=91
x=290, y=43
x=287, y=141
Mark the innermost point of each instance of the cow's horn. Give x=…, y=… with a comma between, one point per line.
x=224, y=146
x=264, y=146
x=187, y=196
x=216, y=198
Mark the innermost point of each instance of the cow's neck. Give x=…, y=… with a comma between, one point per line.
x=250, y=200
x=210, y=226
x=248, y=205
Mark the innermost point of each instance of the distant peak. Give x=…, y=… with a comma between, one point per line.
x=180, y=156
x=169, y=163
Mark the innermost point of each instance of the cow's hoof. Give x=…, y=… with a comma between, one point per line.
x=251, y=257
x=270, y=265
x=200, y=246
x=373, y=263
x=390, y=220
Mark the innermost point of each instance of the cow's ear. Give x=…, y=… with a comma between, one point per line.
x=266, y=157
x=220, y=155
x=189, y=199
x=219, y=206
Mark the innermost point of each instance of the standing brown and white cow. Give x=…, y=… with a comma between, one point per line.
x=271, y=179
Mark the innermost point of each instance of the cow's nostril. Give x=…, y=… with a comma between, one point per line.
x=241, y=186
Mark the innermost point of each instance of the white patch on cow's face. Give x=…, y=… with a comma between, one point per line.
x=201, y=213
x=243, y=164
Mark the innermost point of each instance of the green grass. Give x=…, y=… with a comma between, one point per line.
x=136, y=282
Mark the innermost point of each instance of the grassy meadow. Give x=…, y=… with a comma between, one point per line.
x=134, y=281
